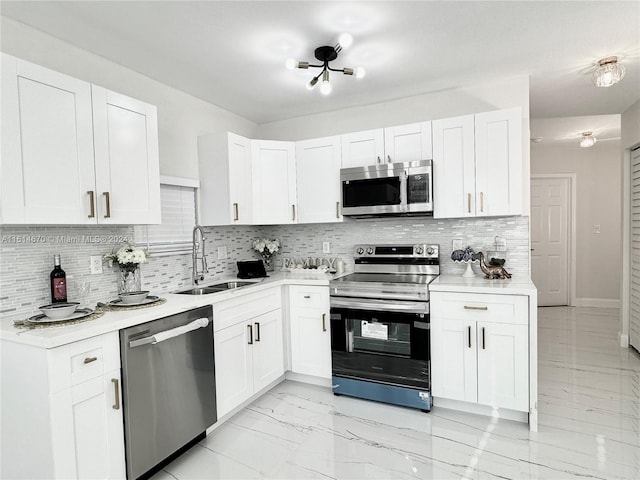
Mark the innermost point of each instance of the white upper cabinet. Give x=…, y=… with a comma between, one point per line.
x=360, y=149
x=408, y=143
x=47, y=146
x=127, y=159
x=403, y=143
x=274, y=182
x=73, y=153
x=318, y=163
x=477, y=165
x=226, y=196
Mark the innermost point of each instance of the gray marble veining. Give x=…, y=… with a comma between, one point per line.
x=589, y=424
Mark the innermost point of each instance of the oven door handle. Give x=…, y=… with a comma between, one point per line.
x=380, y=305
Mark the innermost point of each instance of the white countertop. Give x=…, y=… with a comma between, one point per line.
x=115, y=320
x=479, y=284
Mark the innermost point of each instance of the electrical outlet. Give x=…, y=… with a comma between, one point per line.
x=95, y=264
x=326, y=247
x=457, y=244
x=222, y=253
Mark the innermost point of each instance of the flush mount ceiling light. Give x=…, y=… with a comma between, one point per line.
x=588, y=140
x=325, y=55
x=608, y=72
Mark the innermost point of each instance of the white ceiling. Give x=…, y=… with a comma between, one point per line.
x=232, y=53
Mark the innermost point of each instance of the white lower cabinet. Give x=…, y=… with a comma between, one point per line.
x=248, y=347
x=480, y=349
x=310, y=330
x=64, y=418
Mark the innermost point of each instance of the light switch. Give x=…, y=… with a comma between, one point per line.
x=222, y=253
x=326, y=247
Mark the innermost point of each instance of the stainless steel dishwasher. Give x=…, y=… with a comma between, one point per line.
x=168, y=388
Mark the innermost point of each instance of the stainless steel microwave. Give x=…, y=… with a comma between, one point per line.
x=387, y=189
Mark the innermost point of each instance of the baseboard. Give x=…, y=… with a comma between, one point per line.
x=597, y=302
x=313, y=380
x=623, y=339
x=483, y=410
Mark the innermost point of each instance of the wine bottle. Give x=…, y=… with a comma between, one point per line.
x=58, y=282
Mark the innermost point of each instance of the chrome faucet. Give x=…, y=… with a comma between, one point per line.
x=198, y=275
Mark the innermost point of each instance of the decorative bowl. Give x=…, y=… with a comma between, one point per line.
x=56, y=311
x=133, y=297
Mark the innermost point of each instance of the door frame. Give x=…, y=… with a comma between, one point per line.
x=573, y=199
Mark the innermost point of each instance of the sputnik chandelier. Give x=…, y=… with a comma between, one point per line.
x=325, y=55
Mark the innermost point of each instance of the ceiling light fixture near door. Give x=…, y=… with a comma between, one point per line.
x=327, y=54
x=588, y=140
x=608, y=72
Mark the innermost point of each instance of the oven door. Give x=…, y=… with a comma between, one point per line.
x=382, y=341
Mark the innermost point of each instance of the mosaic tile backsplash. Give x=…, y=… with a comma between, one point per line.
x=26, y=252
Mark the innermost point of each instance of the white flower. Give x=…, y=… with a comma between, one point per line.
x=266, y=247
x=128, y=255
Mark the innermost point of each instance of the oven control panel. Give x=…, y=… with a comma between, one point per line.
x=390, y=251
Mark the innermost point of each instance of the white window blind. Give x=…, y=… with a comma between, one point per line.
x=174, y=235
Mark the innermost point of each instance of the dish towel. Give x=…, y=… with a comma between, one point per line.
x=175, y=332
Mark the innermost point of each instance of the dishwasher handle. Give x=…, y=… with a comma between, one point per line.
x=167, y=334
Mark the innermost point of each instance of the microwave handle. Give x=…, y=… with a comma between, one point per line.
x=403, y=191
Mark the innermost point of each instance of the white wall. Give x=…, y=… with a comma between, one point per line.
x=181, y=117
x=598, y=203
x=630, y=129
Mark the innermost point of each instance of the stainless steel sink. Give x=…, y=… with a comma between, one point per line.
x=215, y=288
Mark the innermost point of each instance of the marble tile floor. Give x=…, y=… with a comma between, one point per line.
x=589, y=424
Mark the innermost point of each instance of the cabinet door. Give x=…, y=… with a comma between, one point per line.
x=311, y=342
x=360, y=149
x=454, y=167
x=274, y=182
x=498, y=144
x=87, y=429
x=408, y=143
x=268, y=352
x=453, y=359
x=234, y=374
x=503, y=365
x=47, y=146
x=240, y=181
x=127, y=161
x=318, y=164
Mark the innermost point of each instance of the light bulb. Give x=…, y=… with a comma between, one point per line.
x=360, y=72
x=326, y=87
x=290, y=63
x=588, y=140
x=345, y=40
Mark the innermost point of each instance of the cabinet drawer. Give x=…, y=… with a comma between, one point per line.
x=309, y=297
x=481, y=307
x=236, y=310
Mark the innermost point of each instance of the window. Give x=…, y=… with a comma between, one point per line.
x=174, y=235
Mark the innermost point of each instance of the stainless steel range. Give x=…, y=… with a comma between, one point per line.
x=380, y=325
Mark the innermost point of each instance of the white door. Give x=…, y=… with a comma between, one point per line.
x=47, y=146
x=318, y=164
x=234, y=371
x=503, y=360
x=360, y=149
x=454, y=167
x=408, y=143
x=268, y=352
x=550, y=239
x=634, y=314
x=240, y=182
x=127, y=160
x=274, y=182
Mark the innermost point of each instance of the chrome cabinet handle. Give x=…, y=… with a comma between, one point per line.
x=92, y=207
x=293, y=210
x=236, y=216
x=469, y=202
x=257, y=324
x=90, y=359
x=107, y=199
x=482, y=201
x=337, y=209
x=468, y=307
x=389, y=158
x=379, y=159
x=469, y=336
x=307, y=296
x=324, y=325
x=116, y=388
x=483, y=338
x=250, y=334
